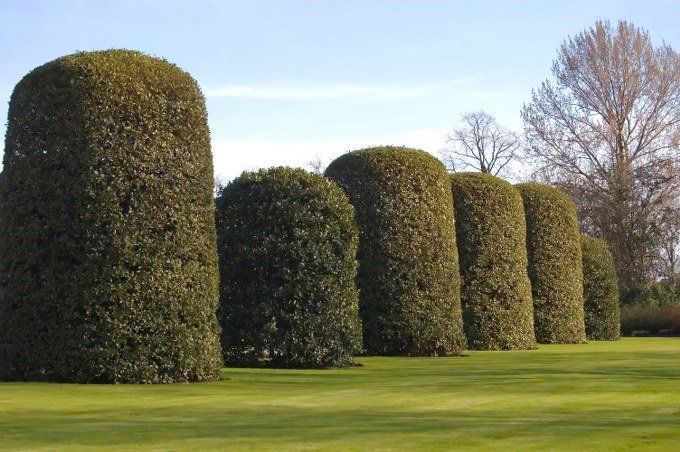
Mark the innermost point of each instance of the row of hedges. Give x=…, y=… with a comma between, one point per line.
x=110, y=270
x=407, y=274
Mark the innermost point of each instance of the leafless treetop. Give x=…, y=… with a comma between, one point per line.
x=608, y=129
x=480, y=144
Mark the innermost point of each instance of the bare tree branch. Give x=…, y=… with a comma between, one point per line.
x=608, y=131
x=480, y=144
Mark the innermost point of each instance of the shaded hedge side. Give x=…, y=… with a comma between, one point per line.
x=108, y=269
x=408, y=263
x=287, y=243
x=555, y=264
x=600, y=291
x=496, y=293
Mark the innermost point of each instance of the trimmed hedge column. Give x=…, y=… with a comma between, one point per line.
x=600, y=291
x=408, y=263
x=555, y=266
x=496, y=293
x=108, y=266
x=287, y=244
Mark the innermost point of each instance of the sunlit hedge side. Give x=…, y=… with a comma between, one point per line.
x=600, y=290
x=408, y=263
x=496, y=293
x=555, y=264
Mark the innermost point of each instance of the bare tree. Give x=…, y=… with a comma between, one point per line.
x=218, y=185
x=608, y=131
x=316, y=166
x=480, y=144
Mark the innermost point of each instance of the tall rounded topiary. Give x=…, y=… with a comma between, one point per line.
x=287, y=245
x=600, y=291
x=108, y=267
x=408, y=263
x=555, y=267
x=496, y=293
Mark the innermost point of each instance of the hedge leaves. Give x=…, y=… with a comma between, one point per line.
x=555, y=266
x=287, y=244
x=108, y=269
x=496, y=293
x=600, y=291
x=408, y=263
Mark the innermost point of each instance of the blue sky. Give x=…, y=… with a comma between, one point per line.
x=289, y=81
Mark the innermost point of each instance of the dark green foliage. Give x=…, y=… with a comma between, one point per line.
x=555, y=265
x=651, y=293
x=287, y=245
x=408, y=263
x=496, y=293
x=600, y=290
x=108, y=269
x=651, y=309
x=650, y=319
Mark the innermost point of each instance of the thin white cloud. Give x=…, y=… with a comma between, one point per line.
x=331, y=91
x=233, y=157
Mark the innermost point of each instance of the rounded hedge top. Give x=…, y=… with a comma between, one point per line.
x=287, y=244
x=108, y=268
x=408, y=263
x=496, y=293
x=555, y=266
x=600, y=291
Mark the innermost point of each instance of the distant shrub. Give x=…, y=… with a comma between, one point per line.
x=408, y=263
x=108, y=269
x=287, y=244
x=496, y=293
x=600, y=291
x=555, y=264
x=651, y=293
x=650, y=319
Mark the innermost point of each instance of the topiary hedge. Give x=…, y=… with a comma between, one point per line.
x=287, y=245
x=496, y=293
x=555, y=266
x=600, y=291
x=108, y=267
x=408, y=263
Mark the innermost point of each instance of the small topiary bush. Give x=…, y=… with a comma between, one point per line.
x=408, y=263
x=555, y=265
x=600, y=291
x=108, y=268
x=287, y=246
x=496, y=293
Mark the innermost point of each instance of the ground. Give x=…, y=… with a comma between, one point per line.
x=602, y=395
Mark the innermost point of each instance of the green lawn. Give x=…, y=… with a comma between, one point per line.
x=601, y=395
